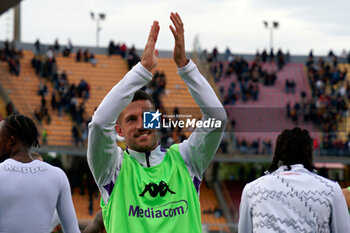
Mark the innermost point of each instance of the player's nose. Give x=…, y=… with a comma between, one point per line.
x=139, y=124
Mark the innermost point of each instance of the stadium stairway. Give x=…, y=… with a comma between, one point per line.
x=176, y=93
x=101, y=78
x=267, y=117
x=81, y=205
x=209, y=204
x=23, y=92
x=111, y=69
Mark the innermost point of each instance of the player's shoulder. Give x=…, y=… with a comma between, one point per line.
x=318, y=178
x=50, y=168
x=261, y=181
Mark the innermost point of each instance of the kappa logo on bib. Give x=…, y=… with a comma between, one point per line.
x=155, y=189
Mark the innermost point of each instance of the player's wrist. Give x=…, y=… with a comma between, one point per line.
x=148, y=66
x=182, y=62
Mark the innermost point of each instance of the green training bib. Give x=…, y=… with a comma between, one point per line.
x=153, y=199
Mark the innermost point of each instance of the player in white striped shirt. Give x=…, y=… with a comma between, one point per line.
x=292, y=197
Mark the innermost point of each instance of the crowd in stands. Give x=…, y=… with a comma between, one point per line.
x=328, y=106
x=85, y=56
x=281, y=59
x=290, y=86
x=249, y=75
x=129, y=54
x=65, y=97
x=132, y=58
x=12, y=57
x=117, y=49
x=254, y=147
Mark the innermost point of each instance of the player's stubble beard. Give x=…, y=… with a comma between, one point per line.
x=141, y=147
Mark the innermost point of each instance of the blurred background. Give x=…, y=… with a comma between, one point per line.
x=273, y=64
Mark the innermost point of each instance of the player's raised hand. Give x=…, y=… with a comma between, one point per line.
x=179, y=53
x=150, y=54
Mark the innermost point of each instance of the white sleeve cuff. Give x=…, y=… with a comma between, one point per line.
x=142, y=71
x=187, y=68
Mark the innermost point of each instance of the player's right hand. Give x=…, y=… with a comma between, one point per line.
x=150, y=54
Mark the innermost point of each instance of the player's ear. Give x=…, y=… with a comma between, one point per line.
x=119, y=130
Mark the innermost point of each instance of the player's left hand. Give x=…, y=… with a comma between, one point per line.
x=179, y=53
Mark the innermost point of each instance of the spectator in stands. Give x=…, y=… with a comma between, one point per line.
x=42, y=88
x=215, y=54
x=254, y=90
x=311, y=53
x=267, y=147
x=37, y=47
x=287, y=56
x=264, y=56
x=76, y=133
x=133, y=58
x=242, y=146
x=117, y=49
x=92, y=60
x=37, y=115
x=280, y=59
x=54, y=99
x=50, y=53
x=266, y=202
x=14, y=64
x=68, y=49
x=123, y=49
x=290, y=86
x=86, y=55
x=272, y=55
x=111, y=48
x=56, y=47
x=40, y=187
x=9, y=109
x=228, y=54
x=36, y=64
x=44, y=136
x=78, y=56
x=43, y=101
x=255, y=146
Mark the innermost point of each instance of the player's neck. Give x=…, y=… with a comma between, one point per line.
x=22, y=155
x=144, y=151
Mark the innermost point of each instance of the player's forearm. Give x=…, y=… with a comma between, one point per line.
x=65, y=208
x=201, y=146
x=120, y=96
x=102, y=150
x=202, y=92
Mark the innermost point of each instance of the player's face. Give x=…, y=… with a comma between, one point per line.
x=130, y=127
